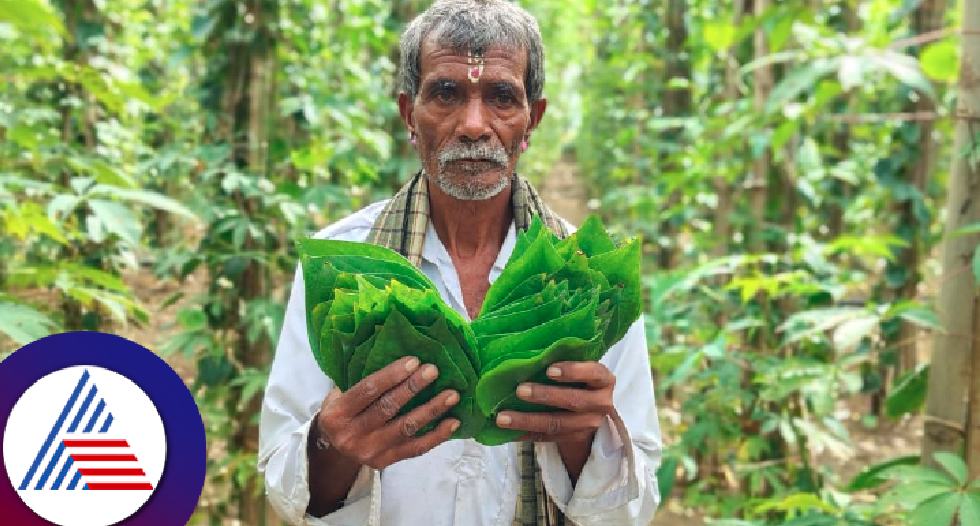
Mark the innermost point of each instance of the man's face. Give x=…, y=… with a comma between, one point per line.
x=471, y=120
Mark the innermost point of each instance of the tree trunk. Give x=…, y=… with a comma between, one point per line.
x=246, y=77
x=255, y=355
x=74, y=11
x=973, y=417
x=759, y=181
x=948, y=402
x=840, y=191
x=677, y=103
x=900, y=337
x=723, y=187
x=927, y=17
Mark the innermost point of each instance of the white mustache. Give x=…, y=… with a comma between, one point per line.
x=456, y=152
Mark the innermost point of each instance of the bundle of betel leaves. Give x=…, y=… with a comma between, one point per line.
x=556, y=300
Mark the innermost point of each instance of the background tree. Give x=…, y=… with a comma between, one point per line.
x=951, y=405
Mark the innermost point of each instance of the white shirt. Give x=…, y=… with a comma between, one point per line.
x=460, y=482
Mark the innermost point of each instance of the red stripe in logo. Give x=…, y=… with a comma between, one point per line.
x=119, y=486
x=82, y=442
x=99, y=472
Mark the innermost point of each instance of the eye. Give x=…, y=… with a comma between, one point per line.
x=504, y=96
x=444, y=92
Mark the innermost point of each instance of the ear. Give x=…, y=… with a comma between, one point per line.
x=537, y=113
x=406, y=107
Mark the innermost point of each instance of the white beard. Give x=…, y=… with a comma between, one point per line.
x=468, y=190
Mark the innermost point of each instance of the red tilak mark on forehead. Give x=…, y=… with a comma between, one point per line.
x=475, y=72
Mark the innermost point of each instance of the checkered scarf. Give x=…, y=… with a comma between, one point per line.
x=401, y=227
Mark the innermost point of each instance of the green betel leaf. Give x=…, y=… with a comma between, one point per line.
x=492, y=435
x=526, y=238
x=439, y=331
x=514, y=322
x=520, y=297
x=398, y=338
x=333, y=247
x=539, y=258
x=318, y=284
x=331, y=363
x=496, y=389
x=384, y=269
x=471, y=419
x=333, y=342
x=622, y=268
x=525, y=354
x=464, y=335
x=593, y=238
x=358, y=359
x=577, y=273
x=581, y=323
x=550, y=291
x=556, y=300
x=568, y=246
x=319, y=279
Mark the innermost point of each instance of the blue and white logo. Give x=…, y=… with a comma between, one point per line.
x=85, y=446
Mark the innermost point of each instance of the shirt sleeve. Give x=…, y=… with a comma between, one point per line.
x=618, y=484
x=293, y=395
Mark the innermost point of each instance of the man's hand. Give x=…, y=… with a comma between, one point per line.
x=585, y=408
x=361, y=424
x=361, y=429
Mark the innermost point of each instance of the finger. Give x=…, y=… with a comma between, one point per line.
x=550, y=424
x=593, y=374
x=386, y=406
x=569, y=398
x=330, y=399
x=405, y=427
x=332, y=396
x=425, y=443
x=365, y=392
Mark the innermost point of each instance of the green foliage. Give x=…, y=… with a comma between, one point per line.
x=24, y=324
x=935, y=497
x=941, y=61
x=909, y=393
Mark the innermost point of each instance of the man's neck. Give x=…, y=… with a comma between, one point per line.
x=470, y=228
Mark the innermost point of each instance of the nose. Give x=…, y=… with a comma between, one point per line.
x=475, y=123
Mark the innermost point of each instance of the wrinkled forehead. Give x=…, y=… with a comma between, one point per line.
x=436, y=52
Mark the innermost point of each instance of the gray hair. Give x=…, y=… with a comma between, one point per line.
x=473, y=25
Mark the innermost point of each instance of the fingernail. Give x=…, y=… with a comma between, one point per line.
x=554, y=371
x=455, y=426
x=429, y=372
x=503, y=420
x=453, y=398
x=412, y=365
x=524, y=391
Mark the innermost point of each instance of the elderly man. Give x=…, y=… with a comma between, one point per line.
x=471, y=94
